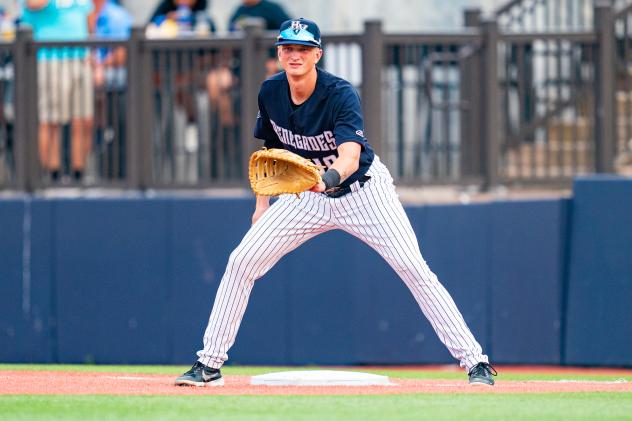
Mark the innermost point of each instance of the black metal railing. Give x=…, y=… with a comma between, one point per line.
x=196, y=97
x=7, y=116
x=422, y=137
x=547, y=98
x=623, y=80
x=481, y=106
x=552, y=15
x=545, y=15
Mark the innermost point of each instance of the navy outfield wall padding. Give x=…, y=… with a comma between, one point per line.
x=25, y=295
x=362, y=306
x=15, y=329
x=527, y=239
x=599, y=317
x=111, y=268
x=321, y=300
x=26, y=323
x=455, y=244
x=43, y=281
x=392, y=328
x=204, y=233
x=264, y=335
x=133, y=280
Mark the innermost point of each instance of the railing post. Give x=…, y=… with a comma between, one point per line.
x=605, y=124
x=470, y=93
x=139, y=120
x=490, y=105
x=253, y=72
x=372, y=64
x=25, y=103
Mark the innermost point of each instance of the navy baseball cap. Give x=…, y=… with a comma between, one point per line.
x=299, y=31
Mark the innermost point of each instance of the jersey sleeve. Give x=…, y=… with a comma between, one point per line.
x=263, y=128
x=348, y=120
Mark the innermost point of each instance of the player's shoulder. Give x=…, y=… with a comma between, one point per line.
x=331, y=81
x=335, y=86
x=277, y=78
x=273, y=84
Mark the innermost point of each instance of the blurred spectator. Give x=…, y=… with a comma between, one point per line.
x=7, y=24
x=180, y=17
x=186, y=129
x=110, y=21
x=269, y=15
x=219, y=83
x=64, y=80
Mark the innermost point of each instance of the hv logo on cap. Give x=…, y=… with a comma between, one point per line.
x=297, y=26
x=299, y=31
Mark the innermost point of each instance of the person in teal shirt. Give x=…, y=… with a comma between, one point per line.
x=57, y=20
x=64, y=80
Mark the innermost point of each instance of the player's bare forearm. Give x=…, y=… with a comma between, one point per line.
x=262, y=205
x=348, y=160
x=262, y=202
x=347, y=163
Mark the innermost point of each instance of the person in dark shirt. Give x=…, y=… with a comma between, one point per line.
x=269, y=12
x=168, y=8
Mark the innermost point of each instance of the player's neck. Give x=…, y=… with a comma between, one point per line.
x=302, y=87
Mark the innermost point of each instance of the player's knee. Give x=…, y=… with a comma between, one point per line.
x=235, y=259
x=242, y=257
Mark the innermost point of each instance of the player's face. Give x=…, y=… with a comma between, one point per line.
x=297, y=59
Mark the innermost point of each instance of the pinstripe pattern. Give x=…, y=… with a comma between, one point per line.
x=377, y=217
x=374, y=215
x=286, y=225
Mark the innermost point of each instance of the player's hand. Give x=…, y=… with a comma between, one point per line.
x=318, y=188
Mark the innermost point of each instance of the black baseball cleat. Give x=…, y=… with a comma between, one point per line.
x=481, y=374
x=201, y=375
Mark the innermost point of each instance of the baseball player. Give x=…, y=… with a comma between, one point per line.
x=318, y=116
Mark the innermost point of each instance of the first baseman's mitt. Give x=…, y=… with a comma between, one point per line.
x=277, y=171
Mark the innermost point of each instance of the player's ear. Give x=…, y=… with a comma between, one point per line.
x=319, y=54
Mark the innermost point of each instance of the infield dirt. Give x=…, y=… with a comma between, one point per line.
x=29, y=382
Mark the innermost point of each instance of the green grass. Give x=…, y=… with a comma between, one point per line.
x=588, y=406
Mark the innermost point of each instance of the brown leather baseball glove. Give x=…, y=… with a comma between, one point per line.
x=277, y=171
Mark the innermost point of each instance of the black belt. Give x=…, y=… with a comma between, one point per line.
x=339, y=191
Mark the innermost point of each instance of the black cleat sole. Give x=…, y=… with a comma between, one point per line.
x=218, y=382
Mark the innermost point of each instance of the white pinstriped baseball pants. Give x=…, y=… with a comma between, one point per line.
x=374, y=215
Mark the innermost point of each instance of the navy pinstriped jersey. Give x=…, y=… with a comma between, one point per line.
x=331, y=116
